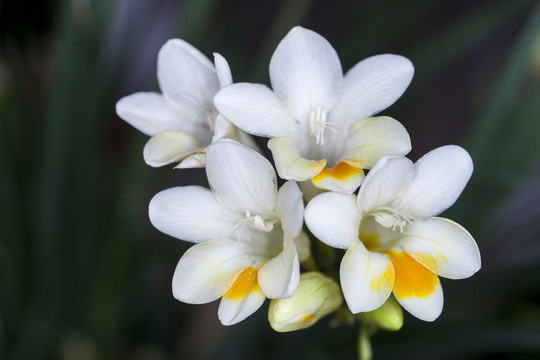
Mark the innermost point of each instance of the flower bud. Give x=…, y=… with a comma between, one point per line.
x=388, y=317
x=315, y=297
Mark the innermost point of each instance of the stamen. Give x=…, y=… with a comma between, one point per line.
x=392, y=218
x=259, y=223
x=255, y=221
x=318, y=122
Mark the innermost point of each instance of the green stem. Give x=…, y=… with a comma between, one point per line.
x=364, y=343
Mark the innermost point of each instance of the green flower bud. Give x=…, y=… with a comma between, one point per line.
x=388, y=317
x=315, y=297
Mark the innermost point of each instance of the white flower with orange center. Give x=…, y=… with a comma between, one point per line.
x=394, y=241
x=182, y=120
x=248, y=233
x=319, y=120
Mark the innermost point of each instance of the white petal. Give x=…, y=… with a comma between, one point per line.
x=197, y=160
x=372, y=138
x=205, y=271
x=289, y=164
x=149, y=113
x=241, y=178
x=290, y=208
x=439, y=178
x=232, y=311
x=427, y=308
x=223, y=70
x=186, y=75
x=305, y=72
x=442, y=246
x=225, y=129
x=246, y=139
x=367, y=278
x=255, y=109
x=279, y=277
x=191, y=213
x=334, y=219
x=385, y=182
x=416, y=288
x=168, y=147
x=372, y=85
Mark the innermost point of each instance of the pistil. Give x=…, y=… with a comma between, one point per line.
x=318, y=123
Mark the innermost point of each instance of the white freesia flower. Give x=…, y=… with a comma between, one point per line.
x=319, y=120
x=182, y=120
x=248, y=233
x=394, y=243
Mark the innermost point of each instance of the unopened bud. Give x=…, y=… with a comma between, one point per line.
x=388, y=317
x=315, y=297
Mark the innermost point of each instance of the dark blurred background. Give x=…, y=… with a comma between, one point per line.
x=84, y=275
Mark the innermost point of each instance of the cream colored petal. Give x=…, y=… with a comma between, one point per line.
x=344, y=177
x=289, y=164
x=372, y=138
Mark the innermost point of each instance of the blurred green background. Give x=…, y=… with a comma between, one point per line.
x=84, y=275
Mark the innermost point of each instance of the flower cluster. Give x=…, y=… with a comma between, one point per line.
x=249, y=234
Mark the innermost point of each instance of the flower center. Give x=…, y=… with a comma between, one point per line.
x=392, y=218
x=318, y=122
x=257, y=222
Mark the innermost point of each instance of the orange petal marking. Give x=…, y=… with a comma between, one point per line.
x=244, y=284
x=430, y=262
x=412, y=278
x=387, y=277
x=342, y=171
x=308, y=318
